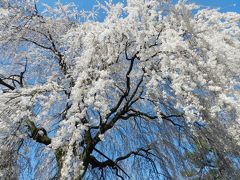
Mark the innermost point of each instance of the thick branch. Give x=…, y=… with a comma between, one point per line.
x=126, y=92
x=6, y=84
x=38, y=134
x=109, y=162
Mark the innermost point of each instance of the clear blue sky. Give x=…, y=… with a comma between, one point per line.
x=224, y=5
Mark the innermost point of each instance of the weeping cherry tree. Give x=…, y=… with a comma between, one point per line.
x=149, y=92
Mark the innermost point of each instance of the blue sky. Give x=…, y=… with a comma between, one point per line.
x=224, y=5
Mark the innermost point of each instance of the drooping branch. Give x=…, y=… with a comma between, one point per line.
x=143, y=152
